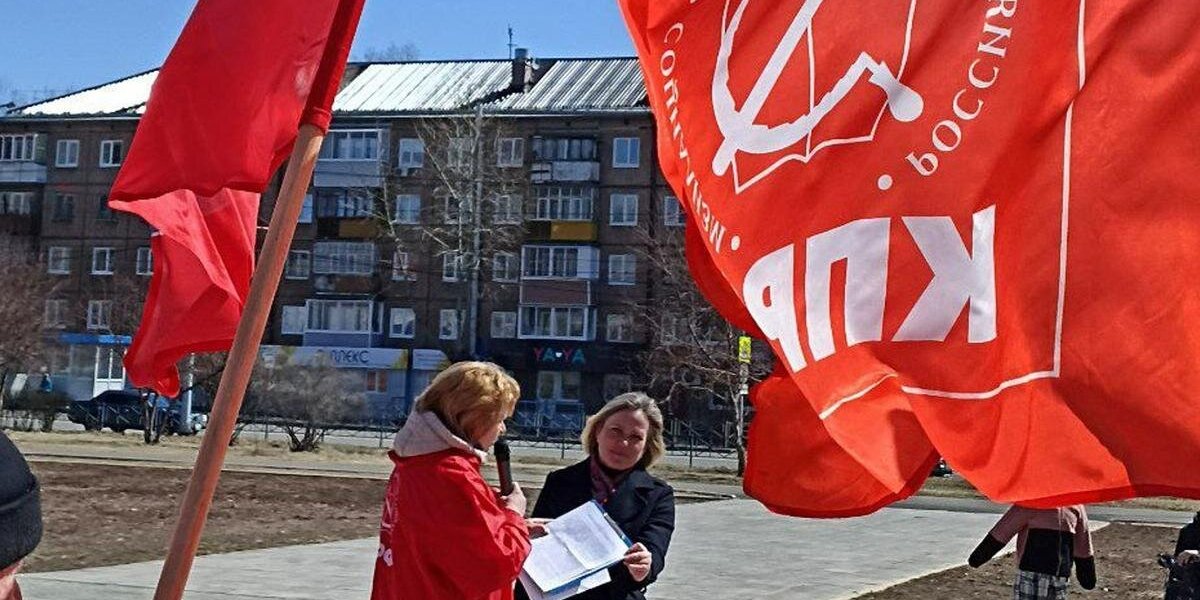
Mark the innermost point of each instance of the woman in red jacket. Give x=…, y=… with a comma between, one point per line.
x=445, y=534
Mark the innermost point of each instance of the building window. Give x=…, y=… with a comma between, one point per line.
x=98, y=314
x=111, y=153
x=16, y=203
x=451, y=266
x=459, y=151
x=58, y=260
x=66, y=153
x=504, y=324
x=619, y=328
x=623, y=209
x=412, y=153
x=626, y=152
x=343, y=258
x=507, y=210
x=102, y=261
x=559, y=262
x=510, y=152
x=377, y=381
x=18, y=147
x=558, y=385
x=675, y=330
x=104, y=213
x=564, y=202
x=564, y=148
x=448, y=324
x=64, y=208
x=344, y=204
x=615, y=385
x=145, y=261
x=673, y=212
x=401, y=269
x=56, y=314
x=293, y=320
x=306, y=209
x=408, y=209
x=404, y=323
x=622, y=269
x=505, y=267
x=299, y=263
x=339, y=316
x=458, y=210
x=350, y=144
x=554, y=322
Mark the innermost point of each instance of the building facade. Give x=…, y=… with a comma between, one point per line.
x=490, y=209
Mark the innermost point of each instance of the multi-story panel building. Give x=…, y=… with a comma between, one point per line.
x=490, y=208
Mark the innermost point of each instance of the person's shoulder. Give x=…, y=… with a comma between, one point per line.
x=447, y=463
x=654, y=483
x=574, y=471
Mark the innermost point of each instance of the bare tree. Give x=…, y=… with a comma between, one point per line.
x=472, y=166
x=22, y=310
x=391, y=53
x=310, y=400
x=692, y=352
x=207, y=370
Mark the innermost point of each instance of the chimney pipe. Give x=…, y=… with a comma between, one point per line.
x=522, y=70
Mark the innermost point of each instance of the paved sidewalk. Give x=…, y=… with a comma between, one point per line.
x=732, y=548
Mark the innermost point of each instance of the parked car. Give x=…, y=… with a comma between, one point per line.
x=122, y=409
x=941, y=469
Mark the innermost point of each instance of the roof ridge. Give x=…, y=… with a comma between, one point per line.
x=86, y=89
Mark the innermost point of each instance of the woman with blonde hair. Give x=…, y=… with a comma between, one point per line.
x=622, y=440
x=445, y=534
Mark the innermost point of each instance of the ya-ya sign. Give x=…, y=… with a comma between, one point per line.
x=945, y=219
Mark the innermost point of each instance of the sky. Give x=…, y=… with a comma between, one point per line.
x=72, y=44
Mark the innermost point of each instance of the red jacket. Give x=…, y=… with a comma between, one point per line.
x=444, y=535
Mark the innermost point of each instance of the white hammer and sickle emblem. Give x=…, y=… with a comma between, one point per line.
x=738, y=127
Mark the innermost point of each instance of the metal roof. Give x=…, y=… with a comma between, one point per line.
x=416, y=87
x=122, y=97
x=567, y=86
x=582, y=85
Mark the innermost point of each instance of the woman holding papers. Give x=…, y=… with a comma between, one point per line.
x=446, y=535
x=621, y=440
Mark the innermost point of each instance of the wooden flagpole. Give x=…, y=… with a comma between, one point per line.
x=197, y=500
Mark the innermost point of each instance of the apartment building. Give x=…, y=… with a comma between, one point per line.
x=568, y=197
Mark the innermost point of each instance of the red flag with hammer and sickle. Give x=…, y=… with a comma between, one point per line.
x=967, y=229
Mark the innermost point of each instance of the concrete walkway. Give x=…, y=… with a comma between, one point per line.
x=732, y=548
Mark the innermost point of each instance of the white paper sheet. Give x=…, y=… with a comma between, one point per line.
x=576, y=545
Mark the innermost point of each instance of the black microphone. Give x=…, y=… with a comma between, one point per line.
x=503, y=456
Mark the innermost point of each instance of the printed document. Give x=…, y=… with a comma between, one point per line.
x=576, y=545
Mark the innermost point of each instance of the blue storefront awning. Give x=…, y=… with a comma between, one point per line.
x=94, y=339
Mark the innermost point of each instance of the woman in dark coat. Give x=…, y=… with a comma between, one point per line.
x=621, y=440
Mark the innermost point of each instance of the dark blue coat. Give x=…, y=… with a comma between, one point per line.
x=644, y=508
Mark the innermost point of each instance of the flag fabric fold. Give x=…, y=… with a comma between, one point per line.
x=966, y=230
x=222, y=118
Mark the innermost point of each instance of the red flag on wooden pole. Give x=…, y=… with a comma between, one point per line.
x=222, y=118
x=247, y=84
x=966, y=229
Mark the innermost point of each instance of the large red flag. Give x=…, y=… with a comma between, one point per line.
x=966, y=229
x=222, y=118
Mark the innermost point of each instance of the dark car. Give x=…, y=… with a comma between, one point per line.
x=120, y=410
x=941, y=469
x=116, y=409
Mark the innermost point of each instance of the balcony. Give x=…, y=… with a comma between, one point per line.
x=565, y=171
x=22, y=171
x=556, y=291
x=346, y=173
x=561, y=231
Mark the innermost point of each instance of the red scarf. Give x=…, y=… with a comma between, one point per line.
x=605, y=480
